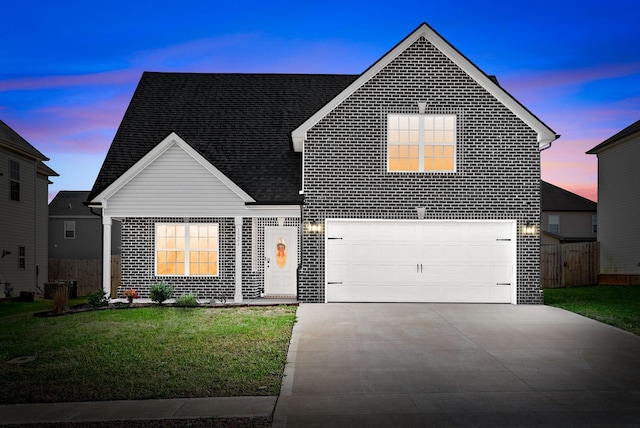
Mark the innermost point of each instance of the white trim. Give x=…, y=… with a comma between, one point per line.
x=238, y=284
x=171, y=140
x=106, y=255
x=545, y=134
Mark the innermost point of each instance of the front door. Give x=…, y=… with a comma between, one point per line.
x=281, y=261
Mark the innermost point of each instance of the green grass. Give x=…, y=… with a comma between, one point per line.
x=615, y=305
x=142, y=353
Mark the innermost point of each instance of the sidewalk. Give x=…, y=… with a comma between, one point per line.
x=179, y=408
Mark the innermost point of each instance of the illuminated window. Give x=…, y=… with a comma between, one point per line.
x=187, y=249
x=421, y=142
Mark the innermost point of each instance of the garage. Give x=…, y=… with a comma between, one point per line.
x=471, y=261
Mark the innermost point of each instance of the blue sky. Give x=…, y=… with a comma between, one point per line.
x=68, y=69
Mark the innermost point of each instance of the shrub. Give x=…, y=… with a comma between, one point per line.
x=130, y=293
x=98, y=298
x=60, y=301
x=187, y=300
x=161, y=292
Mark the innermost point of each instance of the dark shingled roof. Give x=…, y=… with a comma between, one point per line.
x=629, y=130
x=555, y=198
x=12, y=139
x=70, y=203
x=241, y=123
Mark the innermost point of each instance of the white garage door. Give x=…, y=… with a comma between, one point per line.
x=420, y=261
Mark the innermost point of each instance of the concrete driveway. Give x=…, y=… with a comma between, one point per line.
x=404, y=365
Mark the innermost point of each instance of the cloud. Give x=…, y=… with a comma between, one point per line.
x=83, y=126
x=108, y=78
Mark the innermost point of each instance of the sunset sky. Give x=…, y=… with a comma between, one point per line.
x=68, y=69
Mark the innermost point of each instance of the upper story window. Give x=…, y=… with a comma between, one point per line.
x=69, y=230
x=14, y=180
x=554, y=224
x=187, y=249
x=421, y=143
x=594, y=223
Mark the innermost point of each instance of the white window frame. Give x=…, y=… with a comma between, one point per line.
x=69, y=226
x=22, y=257
x=424, y=136
x=187, y=249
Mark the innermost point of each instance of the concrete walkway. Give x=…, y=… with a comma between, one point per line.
x=423, y=365
x=184, y=408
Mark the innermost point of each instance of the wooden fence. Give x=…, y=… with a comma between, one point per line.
x=87, y=273
x=565, y=265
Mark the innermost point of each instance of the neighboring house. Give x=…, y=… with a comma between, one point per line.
x=619, y=206
x=74, y=231
x=413, y=181
x=24, y=184
x=566, y=217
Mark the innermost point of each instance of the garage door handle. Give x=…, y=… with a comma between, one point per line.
x=503, y=239
x=330, y=283
x=503, y=283
x=419, y=268
x=333, y=238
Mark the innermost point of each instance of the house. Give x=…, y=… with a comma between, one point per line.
x=618, y=206
x=566, y=217
x=24, y=184
x=74, y=231
x=417, y=180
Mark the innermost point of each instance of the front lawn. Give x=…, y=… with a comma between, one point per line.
x=611, y=304
x=142, y=353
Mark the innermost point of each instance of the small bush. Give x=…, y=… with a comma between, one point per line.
x=98, y=298
x=188, y=300
x=161, y=292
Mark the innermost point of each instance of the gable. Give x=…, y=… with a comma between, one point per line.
x=545, y=135
x=173, y=180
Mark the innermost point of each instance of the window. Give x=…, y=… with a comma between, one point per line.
x=14, y=180
x=69, y=230
x=421, y=142
x=554, y=224
x=594, y=223
x=187, y=249
x=22, y=258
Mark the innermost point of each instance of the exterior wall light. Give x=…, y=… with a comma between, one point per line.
x=314, y=227
x=420, y=212
x=529, y=229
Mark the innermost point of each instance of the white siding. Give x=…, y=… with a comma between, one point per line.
x=42, y=230
x=19, y=227
x=619, y=208
x=175, y=184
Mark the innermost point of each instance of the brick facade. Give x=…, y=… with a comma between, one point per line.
x=138, y=262
x=345, y=167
